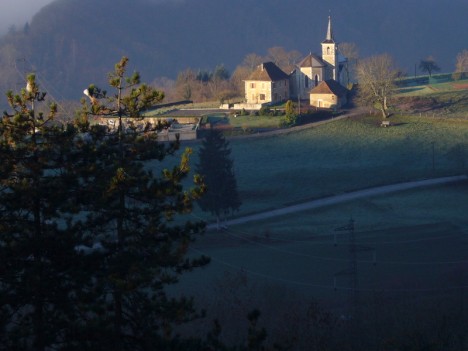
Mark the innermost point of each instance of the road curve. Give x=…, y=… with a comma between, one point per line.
x=337, y=199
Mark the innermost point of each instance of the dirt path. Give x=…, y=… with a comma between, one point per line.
x=337, y=199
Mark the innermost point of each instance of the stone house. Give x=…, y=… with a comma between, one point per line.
x=328, y=94
x=267, y=84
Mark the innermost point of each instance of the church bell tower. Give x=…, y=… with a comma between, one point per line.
x=330, y=53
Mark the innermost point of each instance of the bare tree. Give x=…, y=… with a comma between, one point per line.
x=252, y=60
x=278, y=56
x=376, y=76
x=429, y=65
x=238, y=77
x=462, y=61
x=185, y=84
x=294, y=57
x=351, y=52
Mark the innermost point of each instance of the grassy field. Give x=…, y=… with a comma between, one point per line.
x=447, y=98
x=340, y=157
x=418, y=239
x=244, y=124
x=343, y=156
x=411, y=246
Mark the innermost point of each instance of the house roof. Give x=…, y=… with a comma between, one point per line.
x=329, y=87
x=312, y=60
x=268, y=71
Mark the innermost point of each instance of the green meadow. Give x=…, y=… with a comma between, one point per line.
x=410, y=245
x=343, y=156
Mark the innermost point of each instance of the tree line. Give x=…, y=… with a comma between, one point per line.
x=376, y=76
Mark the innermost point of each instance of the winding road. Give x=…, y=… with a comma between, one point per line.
x=337, y=199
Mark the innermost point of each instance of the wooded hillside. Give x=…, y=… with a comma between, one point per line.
x=70, y=43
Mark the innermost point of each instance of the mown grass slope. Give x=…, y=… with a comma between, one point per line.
x=343, y=156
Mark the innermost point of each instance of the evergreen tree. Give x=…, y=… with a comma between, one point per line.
x=131, y=212
x=41, y=272
x=216, y=167
x=290, y=119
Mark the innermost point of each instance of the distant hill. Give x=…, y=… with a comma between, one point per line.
x=72, y=43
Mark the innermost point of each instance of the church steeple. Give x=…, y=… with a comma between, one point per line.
x=329, y=37
x=330, y=52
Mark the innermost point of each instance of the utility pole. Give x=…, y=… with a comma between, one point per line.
x=353, y=281
x=433, y=158
x=351, y=271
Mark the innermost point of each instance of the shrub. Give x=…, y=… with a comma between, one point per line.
x=264, y=111
x=458, y=75
x=289, y=120
x=244, y=112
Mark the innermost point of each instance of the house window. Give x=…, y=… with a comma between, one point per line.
x=263, y=85
x=262, y=97
x=252, y=85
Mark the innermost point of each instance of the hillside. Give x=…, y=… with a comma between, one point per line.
x=72, y=43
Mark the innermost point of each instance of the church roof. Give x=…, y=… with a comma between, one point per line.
x=268, y=71
x=341, y=57
x=330, y=86
x=312, y=60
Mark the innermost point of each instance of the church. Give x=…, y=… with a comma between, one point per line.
x=324, y=75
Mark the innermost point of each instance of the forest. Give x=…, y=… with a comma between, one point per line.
x=69, y=45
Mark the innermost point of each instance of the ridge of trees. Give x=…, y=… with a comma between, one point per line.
x=69, y=45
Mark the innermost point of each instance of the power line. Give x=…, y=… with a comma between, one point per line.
x=322, y=258
x=322, y=286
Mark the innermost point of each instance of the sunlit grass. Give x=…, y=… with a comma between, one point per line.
x=343, y=156
x=459, y=87
x=244, y=122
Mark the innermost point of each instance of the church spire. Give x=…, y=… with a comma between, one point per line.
x=329, y=37
x=330, y=53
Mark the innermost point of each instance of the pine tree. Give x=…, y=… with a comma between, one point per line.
x=40, y=273
x=131, y=212
x=216, y=167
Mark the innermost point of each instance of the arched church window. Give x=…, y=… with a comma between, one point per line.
x=306, y=81
x=328, y=50
x=316, y=79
